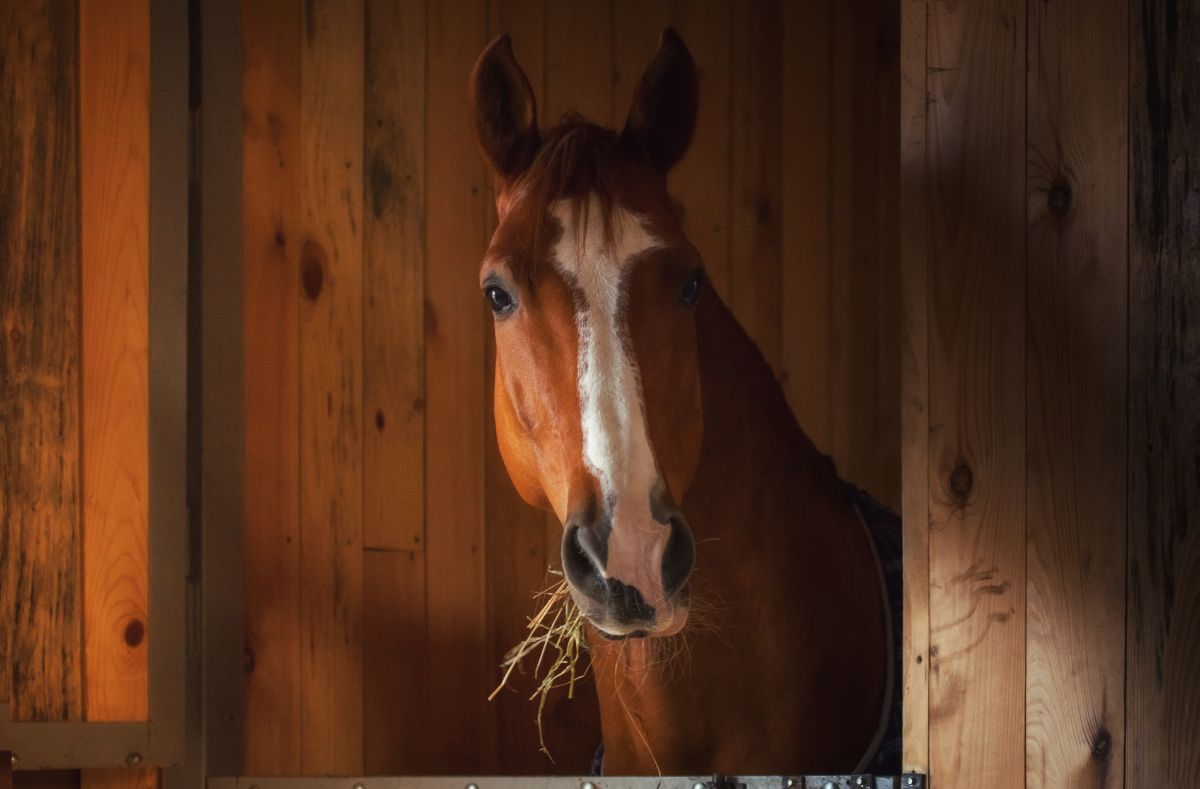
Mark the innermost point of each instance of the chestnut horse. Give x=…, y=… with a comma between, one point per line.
x=627, y=396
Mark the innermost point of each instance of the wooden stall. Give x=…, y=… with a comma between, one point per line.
x=389, y=562
x=1051, y=408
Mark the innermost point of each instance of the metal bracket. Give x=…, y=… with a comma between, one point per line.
x=721, y=782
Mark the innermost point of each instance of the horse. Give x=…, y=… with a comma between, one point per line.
x=631, y=403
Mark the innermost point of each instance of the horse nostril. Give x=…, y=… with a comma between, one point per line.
x=679, y=556
x=583, y=559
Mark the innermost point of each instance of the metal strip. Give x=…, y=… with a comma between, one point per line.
x=48, y=746
x=168, y=380
x=911, y=781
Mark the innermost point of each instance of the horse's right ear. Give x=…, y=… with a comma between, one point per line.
x=505, y=112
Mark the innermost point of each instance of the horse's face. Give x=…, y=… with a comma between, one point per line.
x=594, y=290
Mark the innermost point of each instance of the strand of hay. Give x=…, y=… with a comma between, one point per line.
x=556, y=634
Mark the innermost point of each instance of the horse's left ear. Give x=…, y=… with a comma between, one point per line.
x=505, y=111
x=663, y=115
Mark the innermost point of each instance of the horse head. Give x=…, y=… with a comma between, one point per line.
x=594, y=289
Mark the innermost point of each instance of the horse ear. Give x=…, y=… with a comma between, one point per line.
x=663, y=116
x=505, y=112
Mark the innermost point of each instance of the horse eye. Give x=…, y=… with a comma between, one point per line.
x=498, y=299
x=691, y=290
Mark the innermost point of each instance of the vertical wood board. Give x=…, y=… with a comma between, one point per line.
x=41, y=593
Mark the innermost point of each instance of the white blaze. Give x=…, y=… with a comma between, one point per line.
x=616, y=446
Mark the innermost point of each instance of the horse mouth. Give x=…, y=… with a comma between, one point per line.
x=613, y=637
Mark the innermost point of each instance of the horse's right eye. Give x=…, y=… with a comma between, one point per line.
x=498, y=299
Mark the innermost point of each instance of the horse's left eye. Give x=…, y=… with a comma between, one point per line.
x=691, y=290
x=498, y=299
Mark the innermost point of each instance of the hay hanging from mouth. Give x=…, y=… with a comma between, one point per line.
x=556, y=633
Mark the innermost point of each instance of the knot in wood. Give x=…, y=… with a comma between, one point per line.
x=312, y=269
x=135, y=631
x=961, y=481
x=1102, y=746
x=1058, y=199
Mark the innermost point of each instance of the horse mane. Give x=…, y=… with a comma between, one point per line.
x=577, y=161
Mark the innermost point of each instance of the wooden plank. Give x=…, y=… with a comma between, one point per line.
x=394, y=277
x=863, y=278
x=115, y=198
x=1163, y=690
x=756, y=142
x=455, y=490
x=331, y=363
x=1076, y=289
x=806, y=322
x=579, y=63
x=517, y=534
x=121, y=778
x=914, y=382
x=271, y=238
x=976, y=122
x=395, y=733
x=884, y=446
x=701, y=181
x=40, y=587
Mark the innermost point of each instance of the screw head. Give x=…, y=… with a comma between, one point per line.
x=829, y=785
x=910, y=781
x=13, y=759
x=858, y=781
x=697, y=785
x=791, y=782
x=359, y=786
x=588, y=785
x=133, y=760
x=472, y=786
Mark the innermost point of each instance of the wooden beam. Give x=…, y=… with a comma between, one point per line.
x=41, y=590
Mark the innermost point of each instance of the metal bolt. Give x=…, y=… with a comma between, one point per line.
x=588, y=785
x=359, y=786
x=829, y=785
x=13, y=759
x=133, y=760
x=472, y=786
x=858, y=781
x=698, y=785
x=791, y=782
x=911, y=781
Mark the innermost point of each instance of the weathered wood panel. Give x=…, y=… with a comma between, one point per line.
x=914, y=372
x=115, y=200
x=271, y=238
x=394, y=277
x=331, y=366
x=41, y=590
x=456, y=216
x=975, y=124
x=1075, y=455
x=1163, y=690
x=756, y=186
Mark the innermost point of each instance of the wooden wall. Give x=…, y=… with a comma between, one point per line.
x=74, y=290
x=389, y=563
x=1051, y=371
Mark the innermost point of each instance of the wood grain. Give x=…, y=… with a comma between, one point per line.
x=115, y=200
x=1163, y=689
x=455, y=492
x=331, y=359
x=394, y=277
x=756, y=185
x=579, y=63
x=806, y=322
x=914, y=382
x=271, y=237
x=40, y=498
x=976, y=122
x=1075, y=394
x=121, y=778
x=395, y=735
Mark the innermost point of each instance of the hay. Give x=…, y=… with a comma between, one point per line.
x=559, y=646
